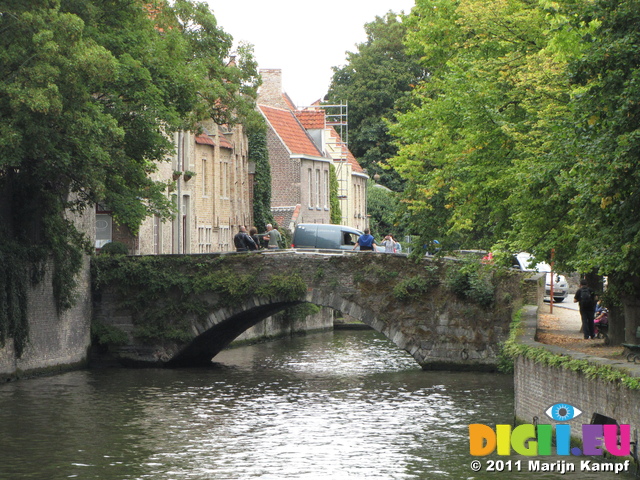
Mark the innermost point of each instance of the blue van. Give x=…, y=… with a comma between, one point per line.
x=325, y=236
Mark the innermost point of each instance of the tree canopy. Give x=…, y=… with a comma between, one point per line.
x=89, y=93
x=373, y=82
x=476, y=147
x=524, y=135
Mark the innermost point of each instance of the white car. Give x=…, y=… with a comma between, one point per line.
x=522, y=261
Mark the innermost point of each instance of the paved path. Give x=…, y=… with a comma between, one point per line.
x=561, y=327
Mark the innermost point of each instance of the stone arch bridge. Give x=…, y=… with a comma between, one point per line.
x=181, y=310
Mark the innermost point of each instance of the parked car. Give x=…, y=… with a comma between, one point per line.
x=325, y=236
x=522, y=261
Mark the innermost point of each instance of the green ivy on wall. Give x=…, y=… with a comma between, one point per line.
x=259, y=155
x=23, y=264
x=162, y=292
x=13, y=295
x=334, y=202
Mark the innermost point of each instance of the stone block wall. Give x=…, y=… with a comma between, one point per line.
x=56, y=342
x=537, y=387
x=280, y=326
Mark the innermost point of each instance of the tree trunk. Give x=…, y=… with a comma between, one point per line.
x=6, y=196
x=616, y=325
x=630, y=299
x=612, y=300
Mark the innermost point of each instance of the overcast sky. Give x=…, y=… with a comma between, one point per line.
x=302, y=38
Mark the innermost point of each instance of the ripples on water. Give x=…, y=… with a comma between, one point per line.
x=342, y=405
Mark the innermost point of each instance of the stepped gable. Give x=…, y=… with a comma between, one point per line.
x=355, y=166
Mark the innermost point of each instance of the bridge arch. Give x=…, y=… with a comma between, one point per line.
x=409, y=302
x=224, y=325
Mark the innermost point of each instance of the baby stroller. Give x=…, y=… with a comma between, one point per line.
x=601, y=324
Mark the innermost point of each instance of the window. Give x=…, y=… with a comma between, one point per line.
x=224, y=179
x=326, y=189
x=310, y=188
x=157, y=234
x=204, y=239
x=224, y=239
x=103, y=229
x=317, y=187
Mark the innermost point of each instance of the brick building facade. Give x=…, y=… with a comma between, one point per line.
x=211, y=188
x=302, y=145
x=299, y=171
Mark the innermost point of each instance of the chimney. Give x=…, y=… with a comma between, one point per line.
x=270, y=92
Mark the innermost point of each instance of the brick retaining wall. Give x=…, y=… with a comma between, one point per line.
x=56, y=342
x=537, y=386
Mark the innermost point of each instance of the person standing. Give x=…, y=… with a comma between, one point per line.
x=242, y=241
x=253, y=233
x=389, y=244
x=273, y=237
x=587, y=300
x=366, y=242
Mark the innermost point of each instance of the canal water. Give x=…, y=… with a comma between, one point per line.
x=331, y=406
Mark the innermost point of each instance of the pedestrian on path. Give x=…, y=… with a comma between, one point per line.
x=586, y=298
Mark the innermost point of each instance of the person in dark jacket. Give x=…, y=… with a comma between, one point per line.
x=587, y=300
x=243, y=242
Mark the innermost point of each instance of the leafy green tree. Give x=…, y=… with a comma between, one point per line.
x=384, y=212
x=525, y=135
x=89, y=91
x=476, y=149
x=606, y=205
x=374, y=82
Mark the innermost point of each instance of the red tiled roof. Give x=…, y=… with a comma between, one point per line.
x=224, y=143
x=355, y=166
x=204, y=139
x=311, y=119
x=290, y=131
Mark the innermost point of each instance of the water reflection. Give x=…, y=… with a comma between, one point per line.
x=342, y=405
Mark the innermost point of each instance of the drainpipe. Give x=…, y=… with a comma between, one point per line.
x=179, y=199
